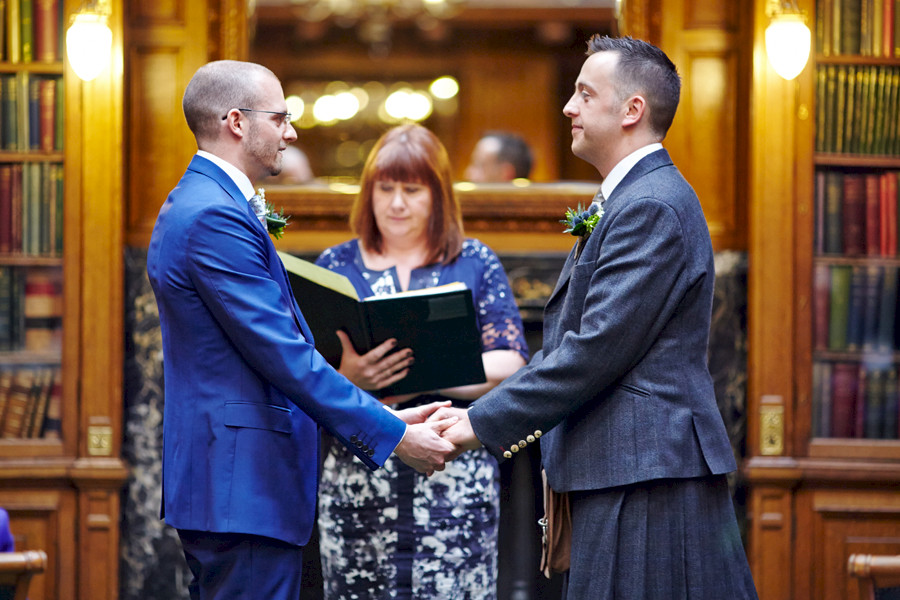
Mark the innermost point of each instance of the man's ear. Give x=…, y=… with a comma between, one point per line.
x=235, y=124
x=508, y=171
x=634, y=111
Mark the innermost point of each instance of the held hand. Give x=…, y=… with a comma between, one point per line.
x=423, y=449
x=376, y=369
x=419, y=414
x=461, y=434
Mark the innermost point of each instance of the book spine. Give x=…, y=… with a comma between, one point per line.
x=850, y=26
x=844, y=390
x=887, y=34
x=889, y=409
x=872, y=304
x=46, y=30
x=6, y=377
x=888, y=309
x=17, y=403
x=13, y=32
x=26, y=17
x=857, y=309
x=8, y=110
x=854, y=214
x=819, y=235
x=43, y=311
x=5, y=209
x=34, y=114
x=840, y=109
x=874, y=404
x=839, y=307
x=873, y=214
x=834, y=202
x=821, y=296
x=47, y=111
x=16, y=196
x=6, y=291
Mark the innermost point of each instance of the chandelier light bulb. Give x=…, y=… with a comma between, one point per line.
x=787, y=44
x=89, y=44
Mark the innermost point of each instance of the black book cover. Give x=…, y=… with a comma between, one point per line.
x=437, y=323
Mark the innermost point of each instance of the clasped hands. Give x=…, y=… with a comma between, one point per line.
x=437, y=433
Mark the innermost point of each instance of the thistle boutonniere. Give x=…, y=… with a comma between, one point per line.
x=275, y=221
x=582, y=222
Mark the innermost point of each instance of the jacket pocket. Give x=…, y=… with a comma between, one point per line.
x=258, y=416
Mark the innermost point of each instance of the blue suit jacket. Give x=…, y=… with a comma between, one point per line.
x=244, y=386
x=621, y=388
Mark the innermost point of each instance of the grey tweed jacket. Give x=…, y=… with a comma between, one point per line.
x=620, y=391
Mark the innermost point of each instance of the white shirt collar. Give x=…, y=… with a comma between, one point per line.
x=625, y=165
x=241, y=180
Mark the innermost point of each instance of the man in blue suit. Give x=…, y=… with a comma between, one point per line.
x=620, y=394
x=245, y=388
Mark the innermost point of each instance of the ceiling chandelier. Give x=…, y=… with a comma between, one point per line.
x=374, y=19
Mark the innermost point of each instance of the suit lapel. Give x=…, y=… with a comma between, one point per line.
x=652, y=161
x=276, y=268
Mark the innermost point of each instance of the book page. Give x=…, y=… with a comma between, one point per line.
x=322, y=276
x=441, y=289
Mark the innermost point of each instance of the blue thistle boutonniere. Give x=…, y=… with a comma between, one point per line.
x=582, y=222
x=275, y=221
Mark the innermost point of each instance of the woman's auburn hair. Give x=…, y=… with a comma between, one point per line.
x=411, y=154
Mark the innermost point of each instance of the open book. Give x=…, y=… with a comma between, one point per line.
x=437, y=323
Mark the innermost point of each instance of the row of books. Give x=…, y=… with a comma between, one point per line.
x=31, y=208
x=854, y=400
x=858, y=109
x=30, y=31
x=858, y=27
x=854, y=308
x=30, y=402
x=856, y=213
x=31, y=309
x=31, y=117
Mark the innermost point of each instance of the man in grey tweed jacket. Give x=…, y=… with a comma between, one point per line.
x=620, y=394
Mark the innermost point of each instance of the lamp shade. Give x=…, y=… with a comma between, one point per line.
x=88, y=45
x=787, y=44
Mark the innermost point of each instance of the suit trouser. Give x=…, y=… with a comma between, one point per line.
x=232, y=565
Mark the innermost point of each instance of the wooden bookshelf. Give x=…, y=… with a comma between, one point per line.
x=817, y=495
x=60, y=475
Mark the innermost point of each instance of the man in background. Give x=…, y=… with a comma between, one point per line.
x=499, y=157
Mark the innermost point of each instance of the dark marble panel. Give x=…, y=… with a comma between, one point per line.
x=152, y=566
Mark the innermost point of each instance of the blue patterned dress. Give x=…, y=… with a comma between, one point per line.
x=394, y=533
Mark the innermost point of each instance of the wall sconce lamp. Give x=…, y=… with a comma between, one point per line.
x=89, y=40
x=787, y=38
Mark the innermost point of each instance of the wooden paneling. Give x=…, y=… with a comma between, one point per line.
x=44, y=519
x=703, y=39
x=848, y=522
x=166, y=46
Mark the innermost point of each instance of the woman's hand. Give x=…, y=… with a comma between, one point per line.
x=377, y=368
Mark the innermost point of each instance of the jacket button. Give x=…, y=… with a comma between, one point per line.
x=507, y=454
x=353, y=439
x=359, y=444
x=530, y=439
x=371, y=452
x=515, y=448
x=522, y=444
x=538, y=433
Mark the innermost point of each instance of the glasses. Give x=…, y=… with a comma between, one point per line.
x=285, y=116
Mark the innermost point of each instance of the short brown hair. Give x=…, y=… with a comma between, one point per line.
x=411, y=153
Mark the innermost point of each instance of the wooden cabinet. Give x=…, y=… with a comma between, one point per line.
x=61, y=313
x=824, y=458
